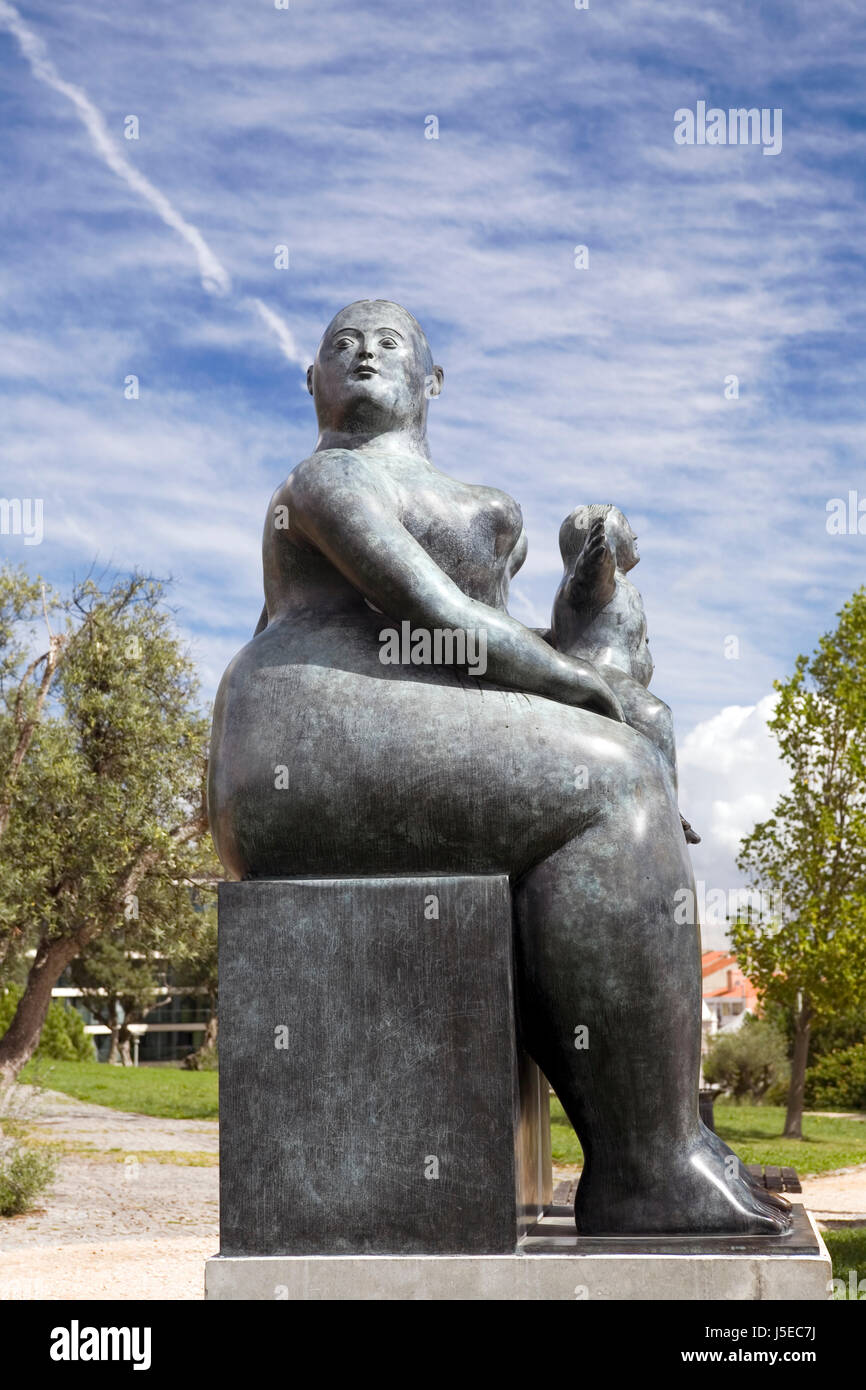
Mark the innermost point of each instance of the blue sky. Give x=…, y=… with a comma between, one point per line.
x=306, y=127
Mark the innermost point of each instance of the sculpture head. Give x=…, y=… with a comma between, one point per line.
x=374, y=372
x=576, y=527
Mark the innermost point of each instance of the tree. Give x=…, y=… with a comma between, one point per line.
x=747, y=1062
x=110, y=793
x=119, y=986
x=809, y=953
x=198, y=972
x=22, y=696
x=130, y=970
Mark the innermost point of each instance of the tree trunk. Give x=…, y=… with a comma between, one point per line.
x=802, y=1029
x=207, y=1049
x=125, y=1043
x=114, y=1045
x=21, y=1038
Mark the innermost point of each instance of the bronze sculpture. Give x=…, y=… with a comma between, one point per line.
x=327, y=760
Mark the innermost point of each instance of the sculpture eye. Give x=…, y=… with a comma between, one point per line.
x=344, y=343
x=387, y=342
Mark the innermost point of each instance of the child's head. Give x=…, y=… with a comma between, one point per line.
x=576, y=527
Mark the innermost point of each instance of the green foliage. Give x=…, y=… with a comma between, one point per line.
x=837, y=1081
x=167, y=1091
x=63, y=1036
x=25, y=1173
x=808, y=954
x=829, y=1034
x=107, y=827
x=847, y=1029
x=811, y=852
x=118, y=760
x=27, y=608
x=748, y=1062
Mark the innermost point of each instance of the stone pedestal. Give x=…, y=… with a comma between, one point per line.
x=374, y=1099
x=552, y=1263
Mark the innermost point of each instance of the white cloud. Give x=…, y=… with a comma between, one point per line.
x=730, y=778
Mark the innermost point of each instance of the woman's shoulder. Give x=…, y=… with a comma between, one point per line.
x=329, y=475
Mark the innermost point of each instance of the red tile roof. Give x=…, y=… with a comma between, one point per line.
x=716, y=960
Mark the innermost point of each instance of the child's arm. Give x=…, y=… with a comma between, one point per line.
x=591, y=583
x=588, y=585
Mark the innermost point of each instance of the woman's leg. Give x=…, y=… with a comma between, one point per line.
x=609, y=993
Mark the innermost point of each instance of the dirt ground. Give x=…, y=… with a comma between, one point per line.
x=134, y=1212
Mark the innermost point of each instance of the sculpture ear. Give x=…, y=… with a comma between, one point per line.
x=434, y=382
x=310, y=380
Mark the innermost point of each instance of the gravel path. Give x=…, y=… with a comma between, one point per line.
x=134, y=1212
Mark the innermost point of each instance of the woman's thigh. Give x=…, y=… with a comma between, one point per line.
x=317, y=773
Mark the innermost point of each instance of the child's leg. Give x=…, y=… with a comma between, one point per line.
x=646, y=713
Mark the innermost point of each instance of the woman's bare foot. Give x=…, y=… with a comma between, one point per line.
x=699, y=1193
x=775, y=1199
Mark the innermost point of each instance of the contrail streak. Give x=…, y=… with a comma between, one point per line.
x=284, y=334
x=215, y=278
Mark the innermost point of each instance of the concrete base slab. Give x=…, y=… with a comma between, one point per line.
x=548, y=1265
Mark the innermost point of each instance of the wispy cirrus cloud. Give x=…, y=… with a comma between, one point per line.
x=215, y=278
x=306, y=127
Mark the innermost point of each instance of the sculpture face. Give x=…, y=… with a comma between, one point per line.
x=623, y=540
x=373, y=370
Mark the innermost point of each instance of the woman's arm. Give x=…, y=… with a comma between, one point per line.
x=339, y=503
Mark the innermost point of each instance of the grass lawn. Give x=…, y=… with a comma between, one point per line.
x=847, y=1251
x=754, y=1132
x=166, y=1091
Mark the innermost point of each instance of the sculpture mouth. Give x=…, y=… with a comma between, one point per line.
x=363, y=372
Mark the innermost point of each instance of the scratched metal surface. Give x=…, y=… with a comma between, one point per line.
x=401, y=1050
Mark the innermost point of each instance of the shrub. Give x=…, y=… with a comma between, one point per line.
x=63, y=1037
x=24, y=1174
x=204, y=1059
x=749, y=1062
x=838, y=1080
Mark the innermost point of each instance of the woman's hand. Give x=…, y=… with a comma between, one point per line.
x=589, y=691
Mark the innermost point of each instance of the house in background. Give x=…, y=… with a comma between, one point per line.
x=728, y=994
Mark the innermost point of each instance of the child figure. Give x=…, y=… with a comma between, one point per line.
x=598, y=615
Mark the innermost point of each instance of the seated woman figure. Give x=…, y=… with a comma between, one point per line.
x=527, y=770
